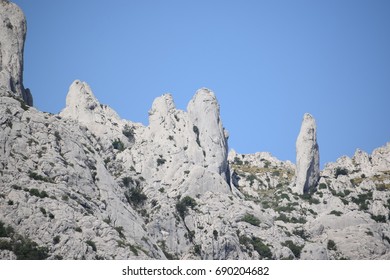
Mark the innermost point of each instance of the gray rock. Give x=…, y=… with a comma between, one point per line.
x=308, y=159
x=12, y=35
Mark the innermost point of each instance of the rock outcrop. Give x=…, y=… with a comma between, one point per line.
x=12, y=37
x=308, y=159
x=86, y=184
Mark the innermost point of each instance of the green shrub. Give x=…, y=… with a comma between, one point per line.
x=117, y=144
x=196, y=131
x=340, y=171
x=322, y=186
x=331, y=245
x=129, y=133
x=135, y=196
x=250, y=219
x=336, y=213
x=160, y=161
x=379, y=218
x=126, y=181
x=22, y=247
x=120, y=232
x=197, y=249
x=293, y=247
x=56, y=240
x=261, y=248
x=38, y=177
x=183, y=204
x=215, y=233
x=92, y=245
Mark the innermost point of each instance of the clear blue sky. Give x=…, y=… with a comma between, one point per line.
x=268, y=62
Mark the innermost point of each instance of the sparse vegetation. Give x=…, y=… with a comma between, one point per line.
x=331, y=245
x=296, y=249
x=22, y=247
x=196, y=131
x=336, y=213
x=117, y=144
x=135, y=196
x=92, y=245
x=38, y=177
x=250, y=219
x=129, y=133
x=215, y=234
x=183, y=204
x=56, y=240
x=379, y=218
x=322, y=186
x=160, y=161
x=340, y=171
x=37, y=193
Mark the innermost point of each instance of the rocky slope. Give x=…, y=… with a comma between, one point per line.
x=86, y=184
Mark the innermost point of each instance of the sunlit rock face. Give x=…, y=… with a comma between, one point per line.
x=12, y=37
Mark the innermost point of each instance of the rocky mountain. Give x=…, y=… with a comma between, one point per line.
x=86, y=184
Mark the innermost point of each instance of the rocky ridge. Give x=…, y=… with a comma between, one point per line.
x=86, y=184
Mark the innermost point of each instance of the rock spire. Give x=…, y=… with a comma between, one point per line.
x=308, y=159
x=12, y=36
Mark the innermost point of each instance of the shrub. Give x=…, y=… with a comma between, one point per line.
x=336, y=213
x=379, y=218
x=135, y=196
x=322, y=186
x=129, y=133
x=56, y=240
x=120, y=232
x=340, y=171
x=160, y=161
x=215, y=233
x=126, y=181
x=250, y=219
x=196, y=131
x=38, y=177
x=261, y=248
x=92, y=245
x=331, y=245
x=197, y=249
x=118, y=145
x=22, y=247
x=183, y=204
x=57, y=136
x=293, y=247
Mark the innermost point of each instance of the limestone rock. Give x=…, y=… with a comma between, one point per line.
x=308, y=159
x=12, y=35
x=204, y=114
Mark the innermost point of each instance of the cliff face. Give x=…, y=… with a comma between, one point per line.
x=12, y=36
x=86, y=184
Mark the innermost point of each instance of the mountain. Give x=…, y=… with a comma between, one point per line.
x=86, y=184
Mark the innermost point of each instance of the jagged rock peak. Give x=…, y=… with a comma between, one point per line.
x=82, y=105
x=308, y=159
x=204, y=114
x=12, y=36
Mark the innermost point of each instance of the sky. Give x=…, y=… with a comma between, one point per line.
x=268, y=62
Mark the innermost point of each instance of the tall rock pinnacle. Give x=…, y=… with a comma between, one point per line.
x=308, y=159
x=204, y=114
x=12, y=36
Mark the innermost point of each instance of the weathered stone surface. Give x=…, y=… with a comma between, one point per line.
x=308, y=159
x=12, y=36
x=87, y=184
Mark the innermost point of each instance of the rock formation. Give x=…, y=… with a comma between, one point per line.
x=12, y=36
x=308, y=159
x=86, y=184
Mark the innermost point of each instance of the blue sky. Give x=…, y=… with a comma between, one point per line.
x=268, y=62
